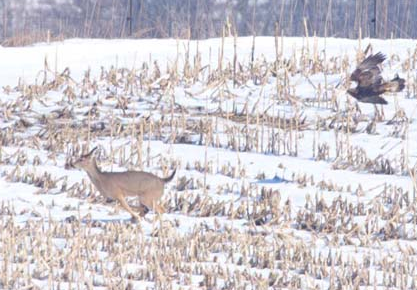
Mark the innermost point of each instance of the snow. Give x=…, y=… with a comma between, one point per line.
x=230, y=170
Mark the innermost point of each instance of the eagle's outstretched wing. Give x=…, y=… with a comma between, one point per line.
x=368, y=74
x=370, y=84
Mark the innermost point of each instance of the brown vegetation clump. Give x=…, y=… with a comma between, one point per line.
x=268, y=194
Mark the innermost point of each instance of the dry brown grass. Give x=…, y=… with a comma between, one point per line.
x=276, y=245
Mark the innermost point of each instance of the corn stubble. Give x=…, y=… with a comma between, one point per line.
x=269, y=248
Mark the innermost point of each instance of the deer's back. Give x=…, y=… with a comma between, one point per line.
x=134, y=183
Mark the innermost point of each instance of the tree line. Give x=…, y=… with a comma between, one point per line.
x=207, y=18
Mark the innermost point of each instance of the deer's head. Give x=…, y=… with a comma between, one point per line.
x=86, y=161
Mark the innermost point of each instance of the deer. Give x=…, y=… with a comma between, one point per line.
x=148, y=187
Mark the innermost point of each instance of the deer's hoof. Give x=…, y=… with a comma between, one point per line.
x=134, y=219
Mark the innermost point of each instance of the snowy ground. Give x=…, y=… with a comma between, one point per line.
x=282, y=182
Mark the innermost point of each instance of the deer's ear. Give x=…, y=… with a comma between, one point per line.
x=89, y=153
x=92, y=150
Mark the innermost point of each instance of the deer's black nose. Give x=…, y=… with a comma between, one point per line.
x=68, y=164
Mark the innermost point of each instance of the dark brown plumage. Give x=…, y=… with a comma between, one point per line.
x=370, y=83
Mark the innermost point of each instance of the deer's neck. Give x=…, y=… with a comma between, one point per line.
x=94, y=172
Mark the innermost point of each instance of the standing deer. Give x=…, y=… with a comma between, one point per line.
x=117, y=185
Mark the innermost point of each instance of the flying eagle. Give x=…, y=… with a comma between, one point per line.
x=370, y=83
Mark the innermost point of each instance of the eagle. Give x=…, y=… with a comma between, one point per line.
x=370, y=84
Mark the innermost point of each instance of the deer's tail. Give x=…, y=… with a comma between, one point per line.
x=169, y=178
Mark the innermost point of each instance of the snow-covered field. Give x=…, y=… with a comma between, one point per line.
x=283, y=181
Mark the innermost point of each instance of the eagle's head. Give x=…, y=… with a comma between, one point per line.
x=353, y=92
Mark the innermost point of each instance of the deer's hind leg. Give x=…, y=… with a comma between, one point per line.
x=151, y=202
x=143, y=210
